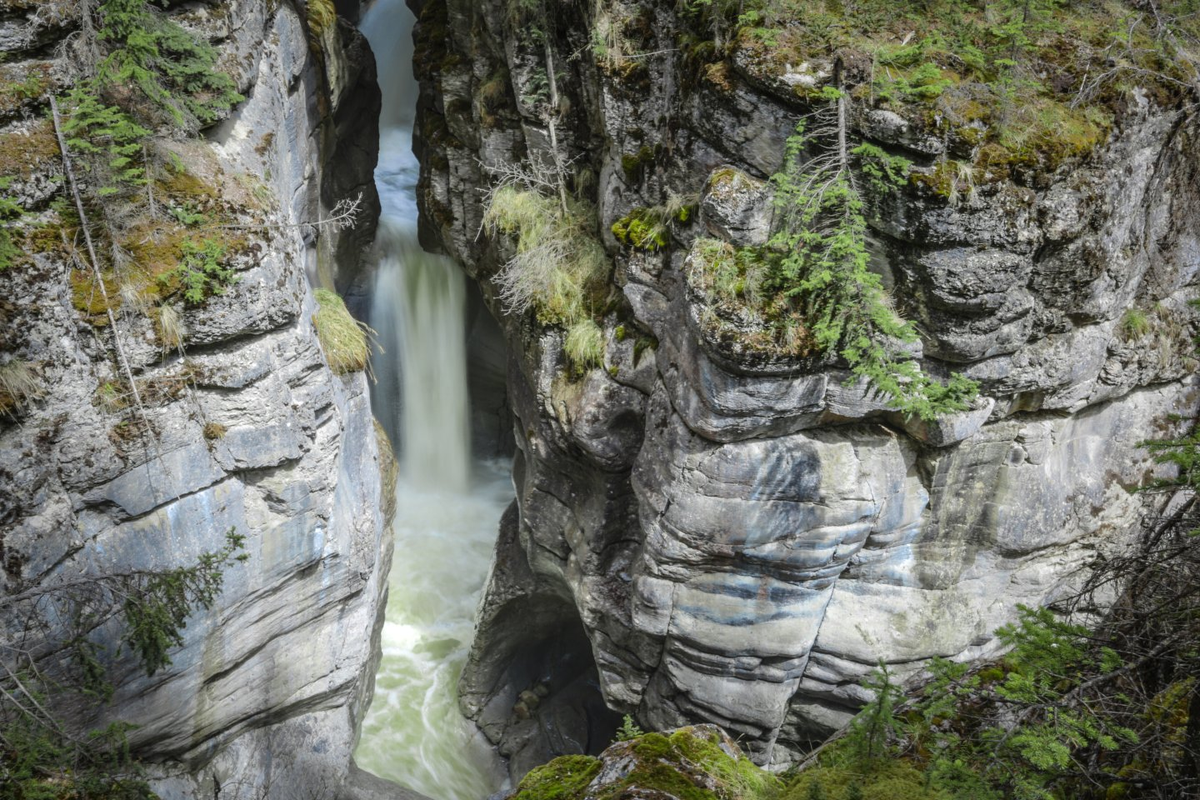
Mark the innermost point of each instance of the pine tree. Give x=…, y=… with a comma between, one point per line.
x=821, y=263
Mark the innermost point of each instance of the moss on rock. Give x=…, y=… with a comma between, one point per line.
x=696, y=763
x=564, y=778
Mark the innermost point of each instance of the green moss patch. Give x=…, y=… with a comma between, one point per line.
x=22, y=85
x=29, y=149
x=564, y=778
x=641, y=230
x=691, y=764
x=697, y=763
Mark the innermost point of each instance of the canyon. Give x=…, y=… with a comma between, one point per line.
x=705, y=529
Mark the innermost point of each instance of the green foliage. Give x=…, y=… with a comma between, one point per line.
x=158, y=603
x=924, y=83
x=820, y=264
x=41, y=764
x=876, y=724
x=42, y=755
x=1182, y=453
x=186, y=215
x=1134, y=324
x=642, y=230
x=174, y=70
x=839, y=777
x=151, y=70
x=10, y=212
x=629, y=730
x=96, y=129
x=201, y=271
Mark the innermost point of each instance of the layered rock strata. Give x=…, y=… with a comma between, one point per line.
x=245, y=427
x=743, y=536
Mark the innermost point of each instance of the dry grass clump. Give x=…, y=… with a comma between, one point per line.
x=559, y=261
x=342, y=337
x=171, y=328
x=585, y=344
x=18, y=385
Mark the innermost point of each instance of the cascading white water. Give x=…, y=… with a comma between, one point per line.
x=448, y=509
x=418, y=311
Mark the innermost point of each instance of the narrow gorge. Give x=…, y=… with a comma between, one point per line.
x=523, y=376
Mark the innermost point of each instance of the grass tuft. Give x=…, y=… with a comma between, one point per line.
x=19, y=384
x=1134, y=324
x=585, y=344
x=342, y=337
x=559, y=262
x=171, y=328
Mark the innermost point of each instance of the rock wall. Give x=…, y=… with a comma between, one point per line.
x=743, y=537
x=245, y=425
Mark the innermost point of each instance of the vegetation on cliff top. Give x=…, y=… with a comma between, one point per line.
x=811, y=285
x=1014, y=87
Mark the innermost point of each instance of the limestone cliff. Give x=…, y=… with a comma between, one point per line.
x=244, y=425
x=742, y=533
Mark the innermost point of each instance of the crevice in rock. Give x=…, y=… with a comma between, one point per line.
x=532, y=684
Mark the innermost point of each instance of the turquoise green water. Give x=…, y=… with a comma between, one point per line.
x=448, y=509
x=414, y=733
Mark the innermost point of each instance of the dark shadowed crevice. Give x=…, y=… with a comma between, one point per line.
x=531, y=684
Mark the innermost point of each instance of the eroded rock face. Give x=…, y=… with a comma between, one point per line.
x=245, y=427
x=743, y=535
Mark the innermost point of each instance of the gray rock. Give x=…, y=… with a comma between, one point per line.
x=246, y=429
x=757, y=531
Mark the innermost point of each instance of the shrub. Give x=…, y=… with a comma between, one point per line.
x=46, y=756
x=629, y=730
x=173, y=69
x=559, y=262
x=817, y=264
x=342, y=337
x=201, y=270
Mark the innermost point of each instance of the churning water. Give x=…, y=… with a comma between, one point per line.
x=448, y=508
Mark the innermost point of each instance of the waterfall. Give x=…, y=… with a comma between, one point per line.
x=448, y=507
x=417, y=312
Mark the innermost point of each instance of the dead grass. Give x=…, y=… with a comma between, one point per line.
x=19, y=384
x=342, y=337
